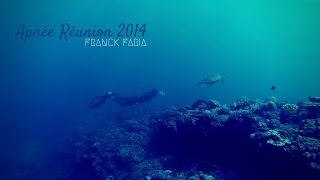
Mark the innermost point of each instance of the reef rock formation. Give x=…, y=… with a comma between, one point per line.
x=268, y=140
x=207, y=140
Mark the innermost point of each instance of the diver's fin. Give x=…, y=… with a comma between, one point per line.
x=97, y=101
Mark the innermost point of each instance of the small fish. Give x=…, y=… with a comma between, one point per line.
x=273, y=88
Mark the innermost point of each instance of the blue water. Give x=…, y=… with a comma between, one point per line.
x=46, y=84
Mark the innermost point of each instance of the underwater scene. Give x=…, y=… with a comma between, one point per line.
x=160, y=90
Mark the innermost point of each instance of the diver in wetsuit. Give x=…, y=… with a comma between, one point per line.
x=125, y=101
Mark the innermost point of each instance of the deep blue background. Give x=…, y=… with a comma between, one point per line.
x=46, y=84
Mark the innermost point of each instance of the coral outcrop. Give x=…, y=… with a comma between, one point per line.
x=207, y=140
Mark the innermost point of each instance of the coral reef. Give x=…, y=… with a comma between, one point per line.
x=314, y=99
x=206, y=141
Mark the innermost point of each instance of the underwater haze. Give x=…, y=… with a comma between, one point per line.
x=47, y=83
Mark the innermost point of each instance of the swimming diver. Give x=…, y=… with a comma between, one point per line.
x=125, y=101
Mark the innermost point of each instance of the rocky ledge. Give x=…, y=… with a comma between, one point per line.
x=245, y=140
